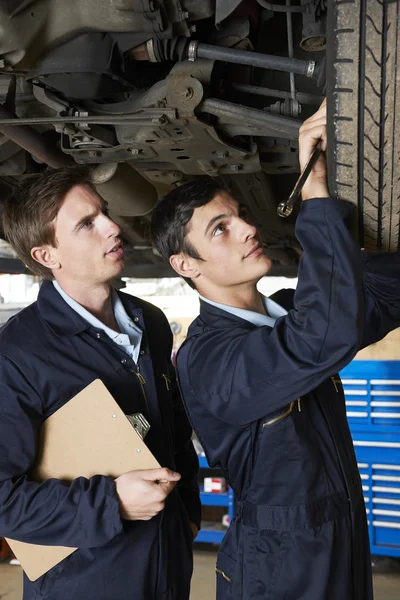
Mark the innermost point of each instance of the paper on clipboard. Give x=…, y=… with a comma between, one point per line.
x=90, y=435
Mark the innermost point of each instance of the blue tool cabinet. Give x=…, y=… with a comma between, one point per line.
x=372, y=391
x=214, y=534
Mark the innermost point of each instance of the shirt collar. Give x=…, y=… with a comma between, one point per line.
x=85, y=314
x=62, y=319
x=274, y=310
x=119, y=311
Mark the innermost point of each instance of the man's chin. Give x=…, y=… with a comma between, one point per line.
x=263, y=268
x=116, y=271
x=268, y=264
x=257, y=274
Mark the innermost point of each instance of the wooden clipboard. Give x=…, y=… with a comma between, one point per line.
x=89, y=435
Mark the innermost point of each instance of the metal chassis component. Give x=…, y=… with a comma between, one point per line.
x=31, y=140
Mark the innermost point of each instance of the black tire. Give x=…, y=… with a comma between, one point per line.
x=363, y=90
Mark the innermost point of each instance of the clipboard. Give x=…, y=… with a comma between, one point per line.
x=89, y=435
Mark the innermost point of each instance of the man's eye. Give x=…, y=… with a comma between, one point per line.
x=219, y=229
x=106, y=212
x=86, y=224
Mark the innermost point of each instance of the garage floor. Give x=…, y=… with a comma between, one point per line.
x=387, y=587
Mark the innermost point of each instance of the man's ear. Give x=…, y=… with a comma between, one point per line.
x=184, y=265
x=46, y=256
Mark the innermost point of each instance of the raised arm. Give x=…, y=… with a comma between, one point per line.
x=381, y=295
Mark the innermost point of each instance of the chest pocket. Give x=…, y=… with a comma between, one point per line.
x=283, y=415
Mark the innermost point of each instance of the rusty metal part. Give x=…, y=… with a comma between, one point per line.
x=272, y=93
x=138, y=53
x=62, y=20
x=184, y=145
x=188, y=145
x=128, y=193
x=141, y=117
x=284, y=127
x=103, y=173
x=184, y=93
x=30, y=140
x=314, y=25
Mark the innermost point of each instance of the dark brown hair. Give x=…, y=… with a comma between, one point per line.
x=170, y=220
x=29, y=214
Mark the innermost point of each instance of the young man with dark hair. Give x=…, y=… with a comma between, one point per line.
x=133, y=533
x=259, y=380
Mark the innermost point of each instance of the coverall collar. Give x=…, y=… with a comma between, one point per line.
x=64, y=320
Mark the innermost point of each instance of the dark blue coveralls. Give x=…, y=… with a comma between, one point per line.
x=48, y=353
x=268, y=407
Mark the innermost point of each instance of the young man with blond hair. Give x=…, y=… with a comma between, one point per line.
x=134, y=533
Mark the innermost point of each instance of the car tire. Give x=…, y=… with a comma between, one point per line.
x=363, y=91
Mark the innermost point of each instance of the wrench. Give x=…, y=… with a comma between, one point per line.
x=286, y=207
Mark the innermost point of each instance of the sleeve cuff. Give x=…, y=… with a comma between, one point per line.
x=113, y=503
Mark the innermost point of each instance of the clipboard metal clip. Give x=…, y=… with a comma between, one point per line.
x=139, y=423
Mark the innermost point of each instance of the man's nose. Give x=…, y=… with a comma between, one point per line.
x=246, y=230
x=110, y=229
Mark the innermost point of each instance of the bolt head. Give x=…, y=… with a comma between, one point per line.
x=188, y=93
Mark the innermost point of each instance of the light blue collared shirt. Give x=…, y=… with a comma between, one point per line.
x=131, y=336
x=273, y=309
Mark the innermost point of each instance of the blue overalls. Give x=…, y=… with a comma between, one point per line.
x=48, y=353
x=268, y=407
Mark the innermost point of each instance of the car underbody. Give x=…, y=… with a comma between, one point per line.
x=150, y=94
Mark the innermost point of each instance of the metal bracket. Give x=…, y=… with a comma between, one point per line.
x=139, y=423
